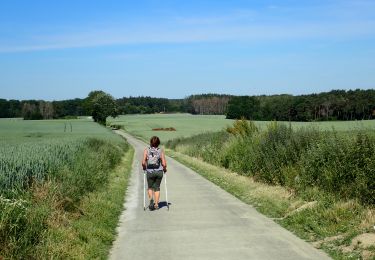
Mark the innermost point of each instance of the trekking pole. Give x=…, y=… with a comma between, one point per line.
x=166, y=190
x=144, y=190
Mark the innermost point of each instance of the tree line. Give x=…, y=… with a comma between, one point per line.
x=334, y=105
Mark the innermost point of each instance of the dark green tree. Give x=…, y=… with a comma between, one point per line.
x=101, y=105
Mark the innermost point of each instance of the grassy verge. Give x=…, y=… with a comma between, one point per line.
x=89, y=232
x=317, y=217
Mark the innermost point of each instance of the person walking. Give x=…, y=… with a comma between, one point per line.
x=154, y=164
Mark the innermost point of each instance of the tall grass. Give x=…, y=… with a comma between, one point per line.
x=45, y=176
x=343, y=165
x=299, y=158
x=24, y=216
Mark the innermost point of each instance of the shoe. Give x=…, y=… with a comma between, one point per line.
x=156, y=206
x=151, y=206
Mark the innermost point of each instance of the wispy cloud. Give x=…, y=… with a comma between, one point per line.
x=241, y=25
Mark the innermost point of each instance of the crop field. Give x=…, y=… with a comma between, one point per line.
x=30, y=150
x=46, y=169
x=187, y=125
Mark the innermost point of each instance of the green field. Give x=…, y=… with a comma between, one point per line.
x=187, y=125
x=47, y=169
x=34, y=149
x=21, y=131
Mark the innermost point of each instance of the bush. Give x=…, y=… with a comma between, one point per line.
x=341, y=164
x=281, y=147
x=207, y=146
x=243, y=128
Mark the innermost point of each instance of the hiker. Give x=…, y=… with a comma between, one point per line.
x=154, y=164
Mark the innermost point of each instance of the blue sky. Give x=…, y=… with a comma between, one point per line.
x=57, y=50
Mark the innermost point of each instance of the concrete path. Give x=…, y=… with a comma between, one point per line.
x=204, y=222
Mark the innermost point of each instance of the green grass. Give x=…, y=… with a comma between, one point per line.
x=50, y=174
x=24, y=131
x=187, y=125
x=34, y=150
x=91, y=235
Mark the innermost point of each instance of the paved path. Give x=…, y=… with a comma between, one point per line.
x=204, y=222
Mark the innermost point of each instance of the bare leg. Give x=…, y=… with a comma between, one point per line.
x=149, y=192
x=157, y=196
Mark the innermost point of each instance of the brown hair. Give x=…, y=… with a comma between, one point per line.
x=154, y=141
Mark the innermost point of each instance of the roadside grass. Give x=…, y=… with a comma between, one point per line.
x=88, y=232
x=272, y=201
x=315, y=216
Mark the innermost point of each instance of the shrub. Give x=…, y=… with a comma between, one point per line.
x=343, y=165
x=243, y=128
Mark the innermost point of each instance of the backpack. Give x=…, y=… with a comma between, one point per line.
x=153, y=158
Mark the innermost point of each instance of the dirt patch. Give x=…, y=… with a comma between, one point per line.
x=367, y=255
x=308, y=205
x=364, y=240
x=164, y=129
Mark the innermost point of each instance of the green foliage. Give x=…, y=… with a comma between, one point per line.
x=340, y=164
x=45, y=171
x=22, y=223
x=334, y=105
x=101, y=105
x=91, y=235
x=150, y=105
x=243, y=128
x=242, y=107
x=207, y=146
x=77, y=178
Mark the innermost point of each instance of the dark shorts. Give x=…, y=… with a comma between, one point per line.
x=154, y=180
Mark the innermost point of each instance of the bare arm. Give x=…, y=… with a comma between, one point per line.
x=144, y=159
x=163, y=162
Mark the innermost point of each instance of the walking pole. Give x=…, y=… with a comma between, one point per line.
x=166, y=190
x=144, y=190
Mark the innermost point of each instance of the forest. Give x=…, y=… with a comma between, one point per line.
x=334, y=105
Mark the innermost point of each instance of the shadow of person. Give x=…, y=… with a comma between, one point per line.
x=163, y=204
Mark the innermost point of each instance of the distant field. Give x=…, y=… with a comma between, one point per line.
x=21, y=131
x=187, y=125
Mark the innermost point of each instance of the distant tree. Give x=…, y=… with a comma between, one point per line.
x=243, y=107
x=30, y=112
x=46, y=109
x=101, y=105
x=207, y=104
x=4, y=108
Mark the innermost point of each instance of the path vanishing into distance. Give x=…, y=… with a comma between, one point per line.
x=204, y=222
